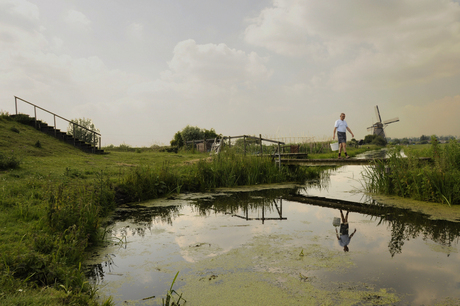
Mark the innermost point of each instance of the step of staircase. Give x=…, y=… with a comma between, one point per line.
x=58, y=134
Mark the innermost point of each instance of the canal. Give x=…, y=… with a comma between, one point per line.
x=254, y=246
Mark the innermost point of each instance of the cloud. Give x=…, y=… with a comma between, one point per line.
x=135, y=30
x=209, y=70
x=372, y=44
x=24, y=9
x=77, y=20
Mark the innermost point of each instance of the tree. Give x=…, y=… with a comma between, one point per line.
x=177, y=140
x=424, y=139
x=190, y=133
x=379, y=141
x=369, y=138
x=84, y=131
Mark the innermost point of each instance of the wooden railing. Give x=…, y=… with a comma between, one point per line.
x=277, y=152
x=54, y=116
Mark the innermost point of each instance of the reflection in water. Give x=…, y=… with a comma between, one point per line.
x=160, y=236
x=266, y=205
x=344, y=238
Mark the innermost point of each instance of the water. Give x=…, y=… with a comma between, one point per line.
x=257, y=248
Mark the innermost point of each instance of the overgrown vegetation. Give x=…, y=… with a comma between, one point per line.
x=54, y=198
x=190, y=133
x=228, y=169
x=436, y=181
x=84, y=130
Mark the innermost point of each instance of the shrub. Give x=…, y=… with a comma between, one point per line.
x=8, y=162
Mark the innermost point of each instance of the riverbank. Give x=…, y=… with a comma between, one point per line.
x=54, y=198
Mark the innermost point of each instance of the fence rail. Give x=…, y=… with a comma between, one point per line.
x=229, y=138
x=54, y=117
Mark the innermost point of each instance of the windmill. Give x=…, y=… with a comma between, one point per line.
x=378, y=127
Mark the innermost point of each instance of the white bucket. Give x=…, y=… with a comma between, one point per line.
x=335, y=146
x=336, y=221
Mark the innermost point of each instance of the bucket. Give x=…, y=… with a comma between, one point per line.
x=335, y=146
x=336, y=221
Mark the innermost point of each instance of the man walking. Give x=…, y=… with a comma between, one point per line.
x=341, y=128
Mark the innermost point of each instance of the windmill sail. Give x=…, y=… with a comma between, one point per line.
x=378, y=127
x=377, y=114
x=386, y=122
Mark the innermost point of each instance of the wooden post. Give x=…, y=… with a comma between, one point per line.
x=279, y=156
x=16, y=104
x=229, y=141
x=35, y=112
x=55, y=130
x=263, y=213
x=244, y=142
x=261, y=149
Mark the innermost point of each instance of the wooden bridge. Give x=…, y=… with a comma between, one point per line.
x=337, y=162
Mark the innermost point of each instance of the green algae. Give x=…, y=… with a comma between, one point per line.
x=272, y=270
x=435, y=211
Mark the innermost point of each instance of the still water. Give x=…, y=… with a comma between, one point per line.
x=239, y=247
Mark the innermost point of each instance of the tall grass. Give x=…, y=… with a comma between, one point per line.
x=437, y=181
x=228, y=169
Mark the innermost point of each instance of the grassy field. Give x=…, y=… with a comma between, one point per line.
x=53, y=200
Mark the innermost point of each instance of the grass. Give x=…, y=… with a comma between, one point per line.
x=438, y=181
x=54, y=198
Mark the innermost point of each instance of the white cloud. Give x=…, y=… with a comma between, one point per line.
x=199, y=71
x=136, y=30
x=379, y=44
x=24, y=9
x=77, y=19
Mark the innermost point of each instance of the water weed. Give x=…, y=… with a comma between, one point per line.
x=437, y=181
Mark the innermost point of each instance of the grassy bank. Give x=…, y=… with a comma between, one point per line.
x=53, y=200
x=438, y=181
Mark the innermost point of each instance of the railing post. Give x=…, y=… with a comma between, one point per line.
x=279, y=156
x=244, y=145
x=94, y=143
x=35, y=112
x=16, y=104
x=100, y=142
x=55, y=130
x=261, y=149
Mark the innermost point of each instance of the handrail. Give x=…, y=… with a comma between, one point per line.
x=74, y=124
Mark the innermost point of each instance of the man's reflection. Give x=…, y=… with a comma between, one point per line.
x=344, y=238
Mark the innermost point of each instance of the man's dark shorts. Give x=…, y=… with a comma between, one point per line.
x=342, y=136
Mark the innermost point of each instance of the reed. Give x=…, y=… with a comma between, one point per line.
x=438, y=181
x=227, y=169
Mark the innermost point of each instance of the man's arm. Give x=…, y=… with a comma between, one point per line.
x=350, y=131
x=353, y=233
x=333, y=134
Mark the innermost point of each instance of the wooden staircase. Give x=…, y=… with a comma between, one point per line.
x=56, y=133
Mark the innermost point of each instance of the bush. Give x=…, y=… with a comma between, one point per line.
x=379, y=141
x=8, y=162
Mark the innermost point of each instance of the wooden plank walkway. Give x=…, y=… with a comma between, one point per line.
x=337, y=162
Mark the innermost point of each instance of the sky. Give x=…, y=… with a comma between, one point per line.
x=144, y=69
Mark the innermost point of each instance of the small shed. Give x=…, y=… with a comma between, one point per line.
x=204, y=146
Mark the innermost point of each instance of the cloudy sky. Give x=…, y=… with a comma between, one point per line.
x=144, y=69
